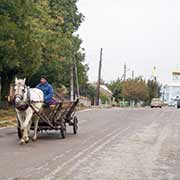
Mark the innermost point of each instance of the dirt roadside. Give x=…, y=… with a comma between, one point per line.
x=8, y=117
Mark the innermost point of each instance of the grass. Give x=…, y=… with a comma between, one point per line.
x=6, y=113
x=7, y=117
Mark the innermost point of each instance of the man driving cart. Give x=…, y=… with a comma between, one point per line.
x=47, y=90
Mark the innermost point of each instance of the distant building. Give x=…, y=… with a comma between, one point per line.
x=84, y=101
x=171, y=91
x=104, y=89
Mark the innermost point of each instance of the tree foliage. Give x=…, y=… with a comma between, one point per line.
x=135, y=89
x=39, y=37
x=88, y=91
x=116, y=88
x=154, y=90
x=104, y=98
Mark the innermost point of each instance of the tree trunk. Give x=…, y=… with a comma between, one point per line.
x=5, y=91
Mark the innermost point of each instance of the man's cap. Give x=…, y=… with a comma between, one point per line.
x=44, y=76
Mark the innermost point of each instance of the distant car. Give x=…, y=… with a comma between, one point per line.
x=172, y=104
x=178, y=104
x=156, y=103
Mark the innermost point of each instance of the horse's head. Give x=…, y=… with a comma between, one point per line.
x=19, y=90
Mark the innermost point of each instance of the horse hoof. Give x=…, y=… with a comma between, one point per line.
x=26, y=140
x=22, y=142
x=34, y=139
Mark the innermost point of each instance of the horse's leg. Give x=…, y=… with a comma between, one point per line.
x=36, y=120
x=29, y=127
x=19, y=119
x=29, y=114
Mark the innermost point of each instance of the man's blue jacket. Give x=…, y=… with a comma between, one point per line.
x=47, y=90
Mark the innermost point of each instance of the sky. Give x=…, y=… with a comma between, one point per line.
x=140, y=33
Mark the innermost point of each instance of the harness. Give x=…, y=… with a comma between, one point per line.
x=24, y=104
x=22, y=107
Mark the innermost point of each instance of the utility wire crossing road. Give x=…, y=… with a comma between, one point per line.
x=112, y=144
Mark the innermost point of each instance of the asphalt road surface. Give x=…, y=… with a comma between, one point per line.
x=112, y=144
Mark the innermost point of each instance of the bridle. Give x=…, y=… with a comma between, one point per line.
x=24, y=103
x=18, y=96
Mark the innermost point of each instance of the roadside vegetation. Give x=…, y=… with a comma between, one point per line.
x=7, y=117
x=40, y=37
x=135, y=90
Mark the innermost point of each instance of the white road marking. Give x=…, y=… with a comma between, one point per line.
x=84, y=110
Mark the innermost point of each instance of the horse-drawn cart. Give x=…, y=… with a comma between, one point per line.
x=57, y=117
x=33, y=115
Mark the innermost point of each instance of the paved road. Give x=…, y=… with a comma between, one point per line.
x=112, y=144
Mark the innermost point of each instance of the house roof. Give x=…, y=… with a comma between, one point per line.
x=106, y=89
x=103, y=88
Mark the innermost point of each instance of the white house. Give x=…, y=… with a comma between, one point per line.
x=171, y=91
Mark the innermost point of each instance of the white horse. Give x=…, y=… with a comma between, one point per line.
x=23, y=96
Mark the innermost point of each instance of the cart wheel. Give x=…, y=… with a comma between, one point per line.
x=19, y=133
x=75, y=126
x=63, y=131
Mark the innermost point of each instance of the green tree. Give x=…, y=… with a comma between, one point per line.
x=63, y=47
x=135, y=90
x=116, y=88
x=104, y=98
x=154, y=90
x=39, y=37
x=20, y=43
x=88, y=91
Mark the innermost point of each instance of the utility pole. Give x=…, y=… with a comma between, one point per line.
x=99, y=79
x=132, y=74
x=124, y=76
x=155, y=73
x=125, y=71
x=155, y=80
x=72, y=83
x=77, y=81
